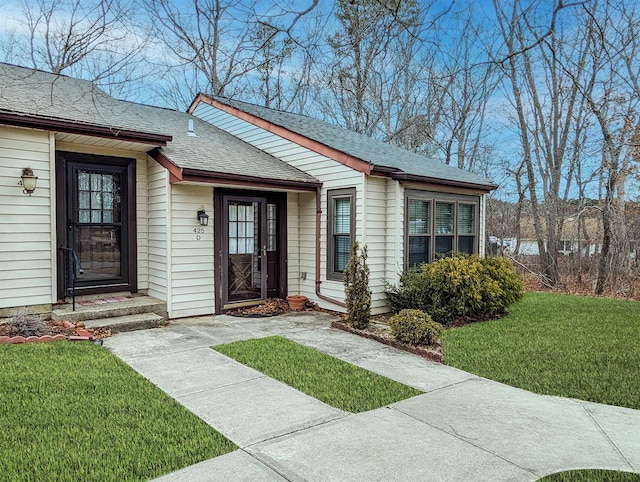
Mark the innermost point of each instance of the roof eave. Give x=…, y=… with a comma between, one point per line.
x=62, y=125
x=404, y=177
x=198, y=175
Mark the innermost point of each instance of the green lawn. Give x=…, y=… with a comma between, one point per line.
x=73, y=411
x=591, y=475
x=324, y=377
x=572, y=346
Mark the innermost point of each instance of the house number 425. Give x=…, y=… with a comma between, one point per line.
x=198, y=230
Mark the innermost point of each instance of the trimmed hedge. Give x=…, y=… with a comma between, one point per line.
x=458, y=286
x=414, y=327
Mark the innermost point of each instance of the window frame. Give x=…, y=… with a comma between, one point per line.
x=476, y=226
x=428, y=236
x=434, y=198
x=332, y=196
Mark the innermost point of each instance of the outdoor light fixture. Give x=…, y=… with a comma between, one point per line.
x=28, y=181
x=203, y=217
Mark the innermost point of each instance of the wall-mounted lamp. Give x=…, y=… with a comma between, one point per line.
x=203, y=217
x=28, y=181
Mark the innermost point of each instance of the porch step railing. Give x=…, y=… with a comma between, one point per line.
x=73, y=265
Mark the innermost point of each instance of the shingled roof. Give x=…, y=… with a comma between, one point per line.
x=381, y=156
x=33, y=98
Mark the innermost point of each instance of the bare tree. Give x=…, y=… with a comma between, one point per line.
x=207, y=39
x=234, y=48
x=547, y=106
x=93, y=39
x=463, y=137
x=614, y=27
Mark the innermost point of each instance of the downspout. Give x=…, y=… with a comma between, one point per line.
x=318, y=225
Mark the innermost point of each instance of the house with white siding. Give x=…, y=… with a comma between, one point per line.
x=223, y=206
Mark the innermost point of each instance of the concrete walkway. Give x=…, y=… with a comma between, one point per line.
x=463, y=428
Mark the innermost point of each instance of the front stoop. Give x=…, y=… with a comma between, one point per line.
x=138, y=313
x=117, y=324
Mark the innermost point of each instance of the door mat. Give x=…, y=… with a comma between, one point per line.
x=102, y=301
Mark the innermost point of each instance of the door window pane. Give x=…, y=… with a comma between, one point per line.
x=99, y=251
x=242, y=229
x=271, y=227
x=83, y=200
x=98, y=198
x=83, y=181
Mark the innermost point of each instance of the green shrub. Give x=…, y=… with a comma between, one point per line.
x=458, y=286
x=414, y=327
x=356, y=287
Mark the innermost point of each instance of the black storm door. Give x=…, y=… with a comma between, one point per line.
x=98, y=223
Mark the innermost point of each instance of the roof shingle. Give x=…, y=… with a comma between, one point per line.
x=377, y=153
x=42, y=95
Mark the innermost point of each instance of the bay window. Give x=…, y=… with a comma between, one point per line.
x=438, y=224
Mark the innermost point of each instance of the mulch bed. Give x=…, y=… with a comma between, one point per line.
x=379, y=332
x=271, y=307
x=24, y=329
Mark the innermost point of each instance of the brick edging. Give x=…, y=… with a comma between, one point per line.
x=424, y=352
x=82, y=335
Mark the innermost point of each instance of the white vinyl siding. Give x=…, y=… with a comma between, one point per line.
x=383, y=241
x=158, y=224
x=27, y=242
x=142, y=223
x=191, y=255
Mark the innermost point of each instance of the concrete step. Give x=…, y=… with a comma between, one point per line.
x=117, y=324
x=136, y=305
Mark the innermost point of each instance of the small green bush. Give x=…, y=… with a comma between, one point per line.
x=356, y=288
x=414, y=327
x=458, y=286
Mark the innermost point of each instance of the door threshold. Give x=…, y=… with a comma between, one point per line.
x=243, y=304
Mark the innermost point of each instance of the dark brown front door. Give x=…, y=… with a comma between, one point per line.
x=98, y=221
x=250, y=246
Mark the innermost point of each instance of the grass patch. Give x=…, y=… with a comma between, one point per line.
x=571, y=346
x=335, y=382
x=591, y=475
x=73, y=411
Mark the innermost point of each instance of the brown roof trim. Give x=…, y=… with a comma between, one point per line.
x=315, y=146
x=403, y=177
x=175, y=172
x=61, y=125
x=196, y=175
